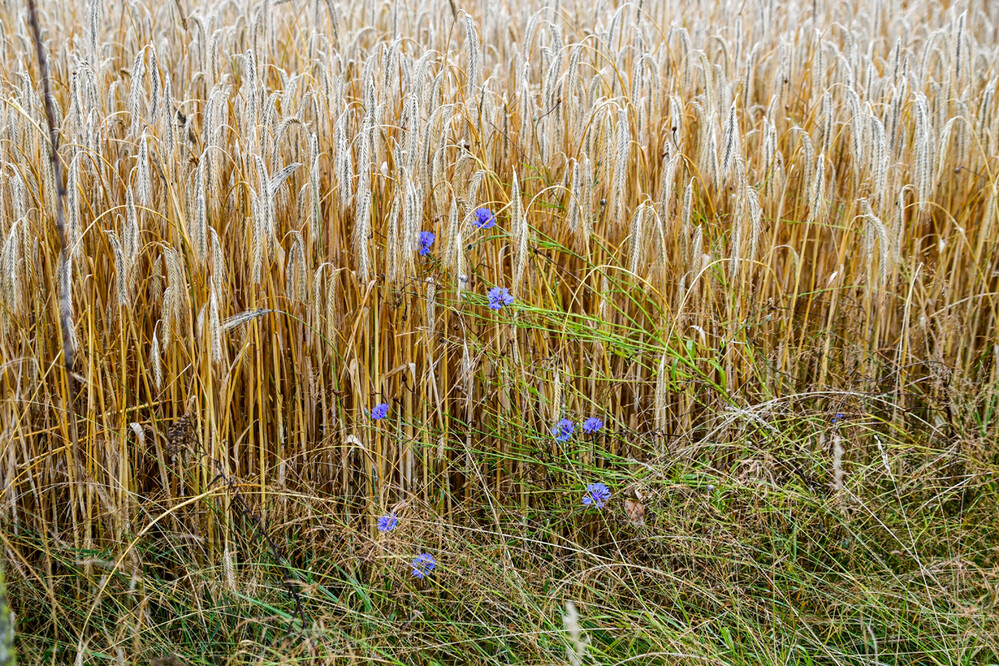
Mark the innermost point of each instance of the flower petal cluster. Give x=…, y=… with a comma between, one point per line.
x=499, y=297
x=596, y=495
x=427, y=239
x=388, y=522
x=563, y=430
x=423, y=564
x=484, y=218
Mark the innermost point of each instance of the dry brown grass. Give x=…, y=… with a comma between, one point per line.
x=722, y=222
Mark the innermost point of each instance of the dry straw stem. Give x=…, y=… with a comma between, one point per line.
x=65, y=295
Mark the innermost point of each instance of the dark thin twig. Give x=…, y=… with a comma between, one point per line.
x=180, y=437
x=239, y=502
x=65, y=304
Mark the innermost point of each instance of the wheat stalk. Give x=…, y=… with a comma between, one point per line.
x=521, y=233
x=65, y=295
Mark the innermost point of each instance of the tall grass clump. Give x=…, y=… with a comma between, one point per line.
x=499, y=332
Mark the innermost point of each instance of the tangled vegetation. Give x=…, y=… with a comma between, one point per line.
x=498, y=332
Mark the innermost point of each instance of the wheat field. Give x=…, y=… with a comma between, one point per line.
x=496, y=332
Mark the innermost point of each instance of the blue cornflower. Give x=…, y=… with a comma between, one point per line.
x=596, y=495
x=423, y=564
x=839, y=417
x=592, y=424
x=379, y=411
x=499, y=297
x=427, y=239
x=562, y=431
x=388, y=523
x=484, y=218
